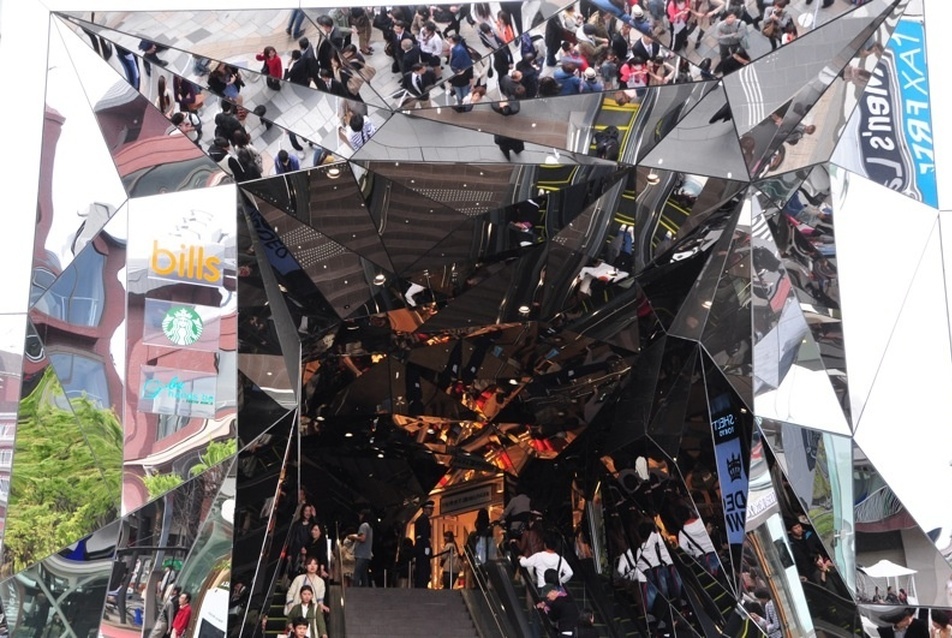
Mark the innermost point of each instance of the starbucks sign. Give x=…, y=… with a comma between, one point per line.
x=182, y=325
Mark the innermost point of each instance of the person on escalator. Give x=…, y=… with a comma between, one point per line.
x=586, y=624
x=560, y=608
x=548, y=559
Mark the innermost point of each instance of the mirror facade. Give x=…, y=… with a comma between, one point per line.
x=618, y=259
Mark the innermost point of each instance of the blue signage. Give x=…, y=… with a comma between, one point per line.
x=731, y=472
x=895, y=130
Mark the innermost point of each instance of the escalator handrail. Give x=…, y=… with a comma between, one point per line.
x=483, y=586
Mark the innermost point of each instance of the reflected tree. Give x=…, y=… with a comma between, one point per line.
x=64, y=486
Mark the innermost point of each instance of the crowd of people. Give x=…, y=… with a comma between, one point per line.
x=467, y=53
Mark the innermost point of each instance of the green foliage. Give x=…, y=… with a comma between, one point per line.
x=216, y=452
x=67, y=473
x=159, y=484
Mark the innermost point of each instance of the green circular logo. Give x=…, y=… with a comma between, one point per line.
x=182, y=326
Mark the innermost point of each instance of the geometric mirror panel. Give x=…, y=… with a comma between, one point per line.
x=670, y=302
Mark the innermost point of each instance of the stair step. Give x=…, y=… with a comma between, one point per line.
x=395, y=613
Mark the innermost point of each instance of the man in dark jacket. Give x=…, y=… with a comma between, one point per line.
x=561, y=609
x=423, y=549
x=905, y=624
x=418, y=83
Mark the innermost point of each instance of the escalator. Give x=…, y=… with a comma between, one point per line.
x=624, y=118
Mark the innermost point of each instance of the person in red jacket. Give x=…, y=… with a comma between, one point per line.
x=184, y=615
x=272, y=66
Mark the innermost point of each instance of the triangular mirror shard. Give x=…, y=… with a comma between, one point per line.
x=692, y=315
x=804, y=234
x=871, y=144
x=68, y=214
x=67, y=589
x=800, y=134
x=504, y=292
x=258, y=473
x=81, y=439
x=770, y=576
x=669, y=105
x=706, y=131
x=791, y=383
x=567, y=123
x=923, y=312
x=818, y=469
x=799, y=71
x=149, y=160
x=178, y=514
x=727, y=334
x=409, y=138
x=864, y=214
x=471, y=189
x=674, y=407
x=914, y=550
x=344, y=278
x=208, y=561
x=331, y=201
x=312, y=117
x=779, y=188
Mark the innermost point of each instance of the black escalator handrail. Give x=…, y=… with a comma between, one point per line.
x=269, y=591
x=339, y=566
x=480, y=580
x=500, y=575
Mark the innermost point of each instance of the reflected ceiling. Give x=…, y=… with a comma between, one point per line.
x=684, y=284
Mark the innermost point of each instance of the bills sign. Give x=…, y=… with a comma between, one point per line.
x=895, y=118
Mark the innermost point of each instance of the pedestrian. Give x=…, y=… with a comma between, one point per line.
x=363, y=547
x=272, y=67
x=424, y=551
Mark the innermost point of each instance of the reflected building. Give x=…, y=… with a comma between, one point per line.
x=645, y=309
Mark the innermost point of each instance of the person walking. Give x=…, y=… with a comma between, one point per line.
x=363, y=550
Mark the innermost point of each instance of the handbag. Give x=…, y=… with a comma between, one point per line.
x=770, y=29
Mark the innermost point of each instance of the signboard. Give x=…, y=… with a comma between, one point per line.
x=181, y=325
x=894, y=119
x=469, y=499
x=177, y=392
x=726, y=427
x=173, y=260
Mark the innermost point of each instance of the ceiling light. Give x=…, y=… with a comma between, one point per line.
x=380, y=279
x=348, y=435
x=524, y=309
x=653, y=179
x=333, y=172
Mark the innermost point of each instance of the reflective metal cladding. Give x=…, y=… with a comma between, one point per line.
x=658, y=266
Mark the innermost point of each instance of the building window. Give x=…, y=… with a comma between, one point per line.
x=78, y=295
x=80, y=376
x=169, y=424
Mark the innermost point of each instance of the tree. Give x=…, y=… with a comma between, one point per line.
x=67, y=473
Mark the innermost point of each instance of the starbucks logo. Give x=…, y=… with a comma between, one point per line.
x=182, y=326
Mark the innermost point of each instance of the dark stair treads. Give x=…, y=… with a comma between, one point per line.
x=397, y=613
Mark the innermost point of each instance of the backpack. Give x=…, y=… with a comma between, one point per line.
x=607, y=143
x=525, y=45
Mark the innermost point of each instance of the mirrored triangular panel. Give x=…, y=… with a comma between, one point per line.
x=706, y=131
